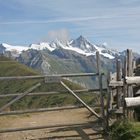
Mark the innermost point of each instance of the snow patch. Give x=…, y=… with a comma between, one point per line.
x=42, y=46
x=19, y=49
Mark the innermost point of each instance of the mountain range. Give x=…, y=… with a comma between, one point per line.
x=80, y=45
x=58, y=57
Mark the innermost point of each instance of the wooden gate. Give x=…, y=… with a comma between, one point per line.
x=53, y=79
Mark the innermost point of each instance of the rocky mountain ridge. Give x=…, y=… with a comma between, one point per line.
x=75, y=56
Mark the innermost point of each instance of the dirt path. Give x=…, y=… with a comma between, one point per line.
x=86, y=131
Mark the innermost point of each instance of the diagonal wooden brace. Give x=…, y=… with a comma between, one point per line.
x=80, y=100
x=19, y=97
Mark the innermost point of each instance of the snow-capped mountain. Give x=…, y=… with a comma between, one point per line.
x=58, y=57
x=15, y=51
x=80, y=45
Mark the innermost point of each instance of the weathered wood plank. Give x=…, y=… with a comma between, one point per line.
x=43, y=76
x=119, y=78
x=133, y=80
x=100, y=82
x=18, y=112
x=130, y=74
x=124, y=87
x=51, y=93
x=109, y=99
x=98, y=61
x=53, y=79
x=132, y=101
x=114, y=83
x=134, y=65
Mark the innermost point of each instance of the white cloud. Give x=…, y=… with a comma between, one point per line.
x=61, y=34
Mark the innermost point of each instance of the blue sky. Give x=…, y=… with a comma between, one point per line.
x=117, y=23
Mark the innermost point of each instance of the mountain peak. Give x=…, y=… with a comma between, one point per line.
x=82, y=43
x=82, y=39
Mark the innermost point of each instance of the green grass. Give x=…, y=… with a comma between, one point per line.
x=136, y=129
x=125, y=130
x=12, y=68
x=120, y=131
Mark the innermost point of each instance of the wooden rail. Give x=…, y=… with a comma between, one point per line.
x=45, y=76
x=132, y=101
x=124, y=83
x=50, y=93
x=133, y=80
x=39, y=110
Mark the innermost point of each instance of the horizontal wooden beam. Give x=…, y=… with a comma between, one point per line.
x=132, y=101
x=133, y=80
x=50, y=93
x=114, y=83
x=45, y=76
x=39, y=110
x=129, y=80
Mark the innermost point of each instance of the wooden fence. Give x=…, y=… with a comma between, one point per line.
x=121, y=100
x=120, y=96
x=53, y=79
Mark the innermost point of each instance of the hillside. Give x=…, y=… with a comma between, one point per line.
x=12, y=68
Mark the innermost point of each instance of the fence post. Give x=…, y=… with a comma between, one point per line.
x=109, y=99
x=110, y=93
x=124, y=87
x=119, y=77
x=130, y=73
x=118, y=88
x=101, y=89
